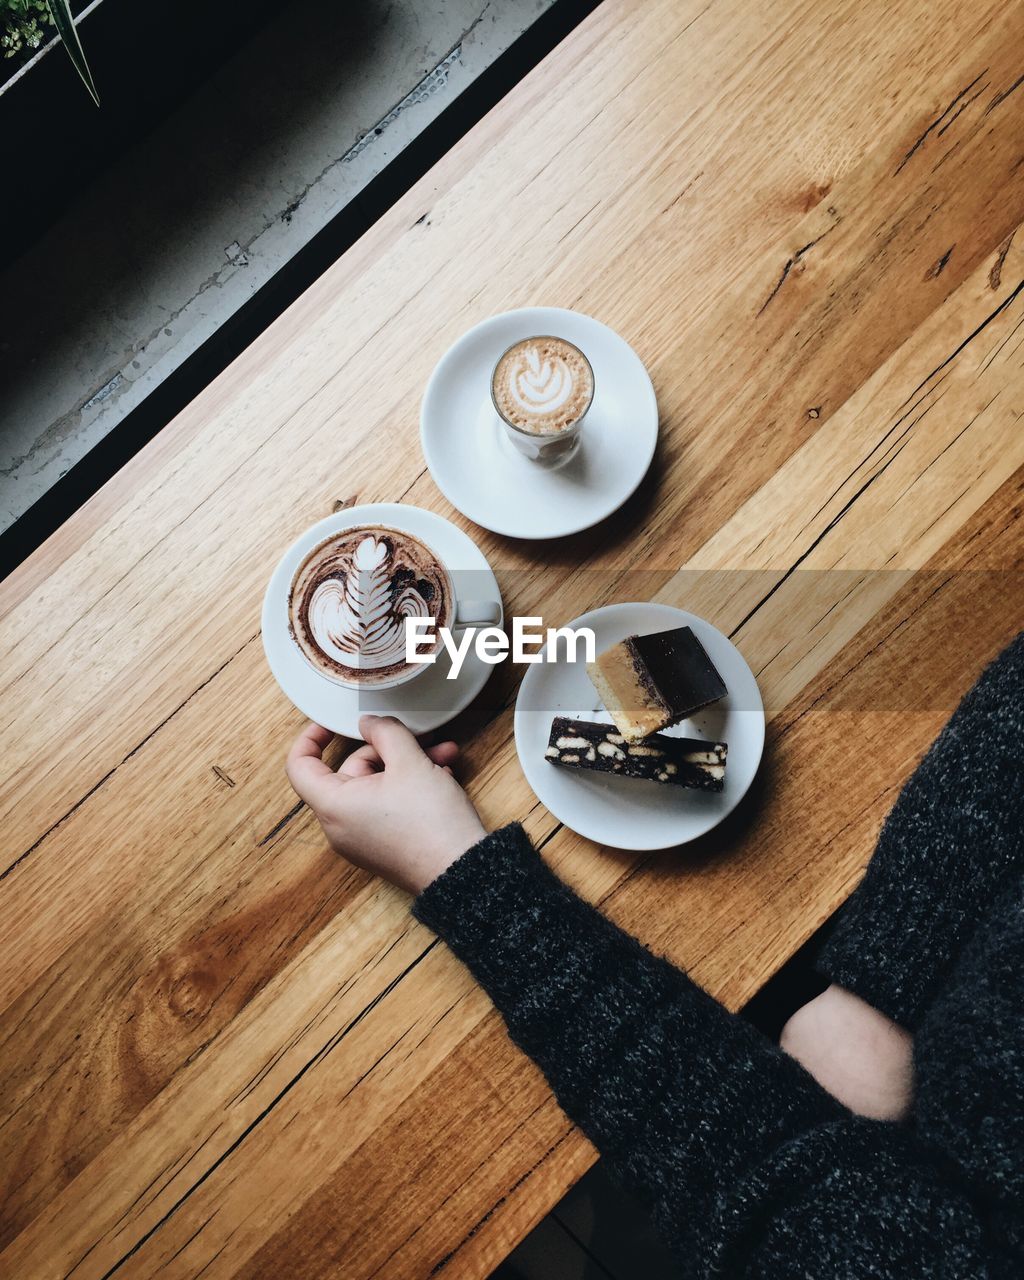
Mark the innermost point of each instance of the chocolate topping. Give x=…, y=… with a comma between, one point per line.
x=675, y=668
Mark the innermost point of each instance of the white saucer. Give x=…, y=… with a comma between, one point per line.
x=621, y=812
x=429, y=700
x=478, y=470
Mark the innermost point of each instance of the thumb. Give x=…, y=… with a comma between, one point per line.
x=311, y=776
x=390, y=739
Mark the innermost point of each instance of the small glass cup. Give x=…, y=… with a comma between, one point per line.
x=547, y=448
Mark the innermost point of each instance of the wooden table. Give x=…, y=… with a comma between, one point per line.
x=224, y=1052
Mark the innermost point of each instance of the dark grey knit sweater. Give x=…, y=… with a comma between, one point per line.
x=750, y=1168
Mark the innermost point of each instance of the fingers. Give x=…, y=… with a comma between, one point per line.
x=366, y=761
x=361, y=763
x=306, y=769
x=312, y=741
x=444, y=754
x=390, y=739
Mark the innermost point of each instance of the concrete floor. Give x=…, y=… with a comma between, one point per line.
x=167, y=244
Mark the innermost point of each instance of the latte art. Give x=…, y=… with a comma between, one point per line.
x=543, y=385
x=352, y=595
x=362, y=618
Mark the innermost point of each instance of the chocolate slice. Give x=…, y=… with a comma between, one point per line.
x=681, y=762
x=650, y=682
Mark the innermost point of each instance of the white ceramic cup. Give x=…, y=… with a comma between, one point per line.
x=423, y=705
x=462, y=614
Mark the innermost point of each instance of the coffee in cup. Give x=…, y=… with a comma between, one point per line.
x=542, y=388
x=350, y=598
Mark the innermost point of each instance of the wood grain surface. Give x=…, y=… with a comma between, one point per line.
x=224, y=1052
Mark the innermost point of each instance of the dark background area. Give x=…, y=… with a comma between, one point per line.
x=137, y=92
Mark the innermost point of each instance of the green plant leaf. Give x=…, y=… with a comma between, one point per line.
x=60, y=11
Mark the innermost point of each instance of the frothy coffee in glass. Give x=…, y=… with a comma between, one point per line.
x=542, y=388
x=350, y=598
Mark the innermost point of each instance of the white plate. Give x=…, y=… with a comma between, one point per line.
x=621, y=812
x=431, y=699
x=478, y=470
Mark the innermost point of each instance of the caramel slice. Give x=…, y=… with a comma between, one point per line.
x=650, y=682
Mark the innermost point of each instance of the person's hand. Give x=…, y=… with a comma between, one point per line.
x=391, y=807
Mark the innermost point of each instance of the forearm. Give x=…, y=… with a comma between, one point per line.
x=681, y=1097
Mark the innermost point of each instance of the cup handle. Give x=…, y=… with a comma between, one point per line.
x=477, y=613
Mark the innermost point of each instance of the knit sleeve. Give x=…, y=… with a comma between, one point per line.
x=860, y=1198
x=949, y=849
x=678, y=1095
x=743, y=1160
